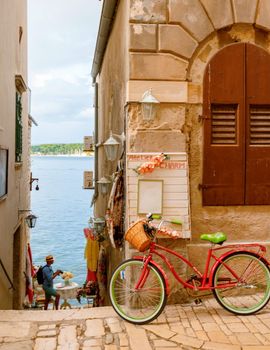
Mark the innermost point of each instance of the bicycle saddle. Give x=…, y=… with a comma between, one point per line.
x=217, y=237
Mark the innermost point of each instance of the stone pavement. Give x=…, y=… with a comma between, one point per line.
x=206, y=326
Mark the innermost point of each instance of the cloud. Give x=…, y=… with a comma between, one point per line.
x=75, y=74
x=62, y=132
x=62, y=36
x=86, y=113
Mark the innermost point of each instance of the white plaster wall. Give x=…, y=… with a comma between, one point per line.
x=13, y=60
x=112, y=82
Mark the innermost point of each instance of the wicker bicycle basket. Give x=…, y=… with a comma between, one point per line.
x=137, y=237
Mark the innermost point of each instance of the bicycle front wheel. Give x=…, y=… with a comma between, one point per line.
x=242, y=283
x=142, y=304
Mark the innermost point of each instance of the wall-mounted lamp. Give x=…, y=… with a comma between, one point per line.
x=30, y=219
x=112, y=145
x=99, y=225
x=104, y=185
x=149, y=105
x=91, y=223
x=32, y=179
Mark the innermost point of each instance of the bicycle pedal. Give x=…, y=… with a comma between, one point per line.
x=193, y=277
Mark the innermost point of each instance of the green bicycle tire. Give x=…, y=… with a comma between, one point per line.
x=253, y=293
x=137, y=306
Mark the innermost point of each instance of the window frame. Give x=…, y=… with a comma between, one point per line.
x=18, y=128
x=4, y=162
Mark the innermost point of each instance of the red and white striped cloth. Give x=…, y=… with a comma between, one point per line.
x=30, y=272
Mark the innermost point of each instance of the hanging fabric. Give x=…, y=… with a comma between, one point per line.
x=91, y=254
x=33, y=271
x=30, y=271
x=91, y=276
x=102, y=276
x=114, y=215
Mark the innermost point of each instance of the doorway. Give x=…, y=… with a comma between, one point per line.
x=17, y=269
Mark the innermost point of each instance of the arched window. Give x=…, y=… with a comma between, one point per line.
x=236, y=160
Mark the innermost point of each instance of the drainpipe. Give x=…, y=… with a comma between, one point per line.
x=105, y=24
x=95, y=196
x=7, y=276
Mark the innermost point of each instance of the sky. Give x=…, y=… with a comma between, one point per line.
x=61, y=43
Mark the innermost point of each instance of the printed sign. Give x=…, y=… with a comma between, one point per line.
x=145, y=193
x=88, y=143
x=88, y=180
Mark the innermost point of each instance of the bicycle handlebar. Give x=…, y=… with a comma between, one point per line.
x=151, y=217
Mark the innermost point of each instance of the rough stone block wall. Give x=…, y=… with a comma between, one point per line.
x=149, y=33
x=179, y=28
x=144, y=66
x=173, y=41
x=163, y=133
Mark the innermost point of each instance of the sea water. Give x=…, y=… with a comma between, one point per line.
x=63, y=209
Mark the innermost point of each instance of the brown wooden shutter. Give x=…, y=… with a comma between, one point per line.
x=224, y=124
x=224, y=110
x=258, y=126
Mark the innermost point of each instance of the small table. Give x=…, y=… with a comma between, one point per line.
x=66, y=292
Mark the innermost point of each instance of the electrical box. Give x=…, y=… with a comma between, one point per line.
x=88, y=180
x=88, y=143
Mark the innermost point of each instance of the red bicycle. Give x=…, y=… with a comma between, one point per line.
x=239, y=277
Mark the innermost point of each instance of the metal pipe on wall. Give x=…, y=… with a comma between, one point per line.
x=106, y=21
x=95, y=143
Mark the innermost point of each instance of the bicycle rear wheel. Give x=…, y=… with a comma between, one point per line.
x=248, y=293
x=141, y=305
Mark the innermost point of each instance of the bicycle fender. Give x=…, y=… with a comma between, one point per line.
x=160, y=270
x=231, y=252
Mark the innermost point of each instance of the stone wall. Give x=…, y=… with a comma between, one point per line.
x=112, y=82
x=171, y=43
x=13, y=43
x=166, y=45
x=241, y=223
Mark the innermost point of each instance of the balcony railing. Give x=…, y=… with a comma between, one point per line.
x=7, y=276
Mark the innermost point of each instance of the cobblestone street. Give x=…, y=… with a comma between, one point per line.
x=206, y=326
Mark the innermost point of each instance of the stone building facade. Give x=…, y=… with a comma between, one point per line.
x=168, y=45
x=15, y=150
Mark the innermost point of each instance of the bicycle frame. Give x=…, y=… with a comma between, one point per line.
x=206, y=279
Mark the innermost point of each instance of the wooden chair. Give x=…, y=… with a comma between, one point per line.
x=91, y=300
x=39, y=297
x=40, y=302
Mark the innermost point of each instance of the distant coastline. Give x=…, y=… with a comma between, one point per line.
x=85, y=154
x=61, y=150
